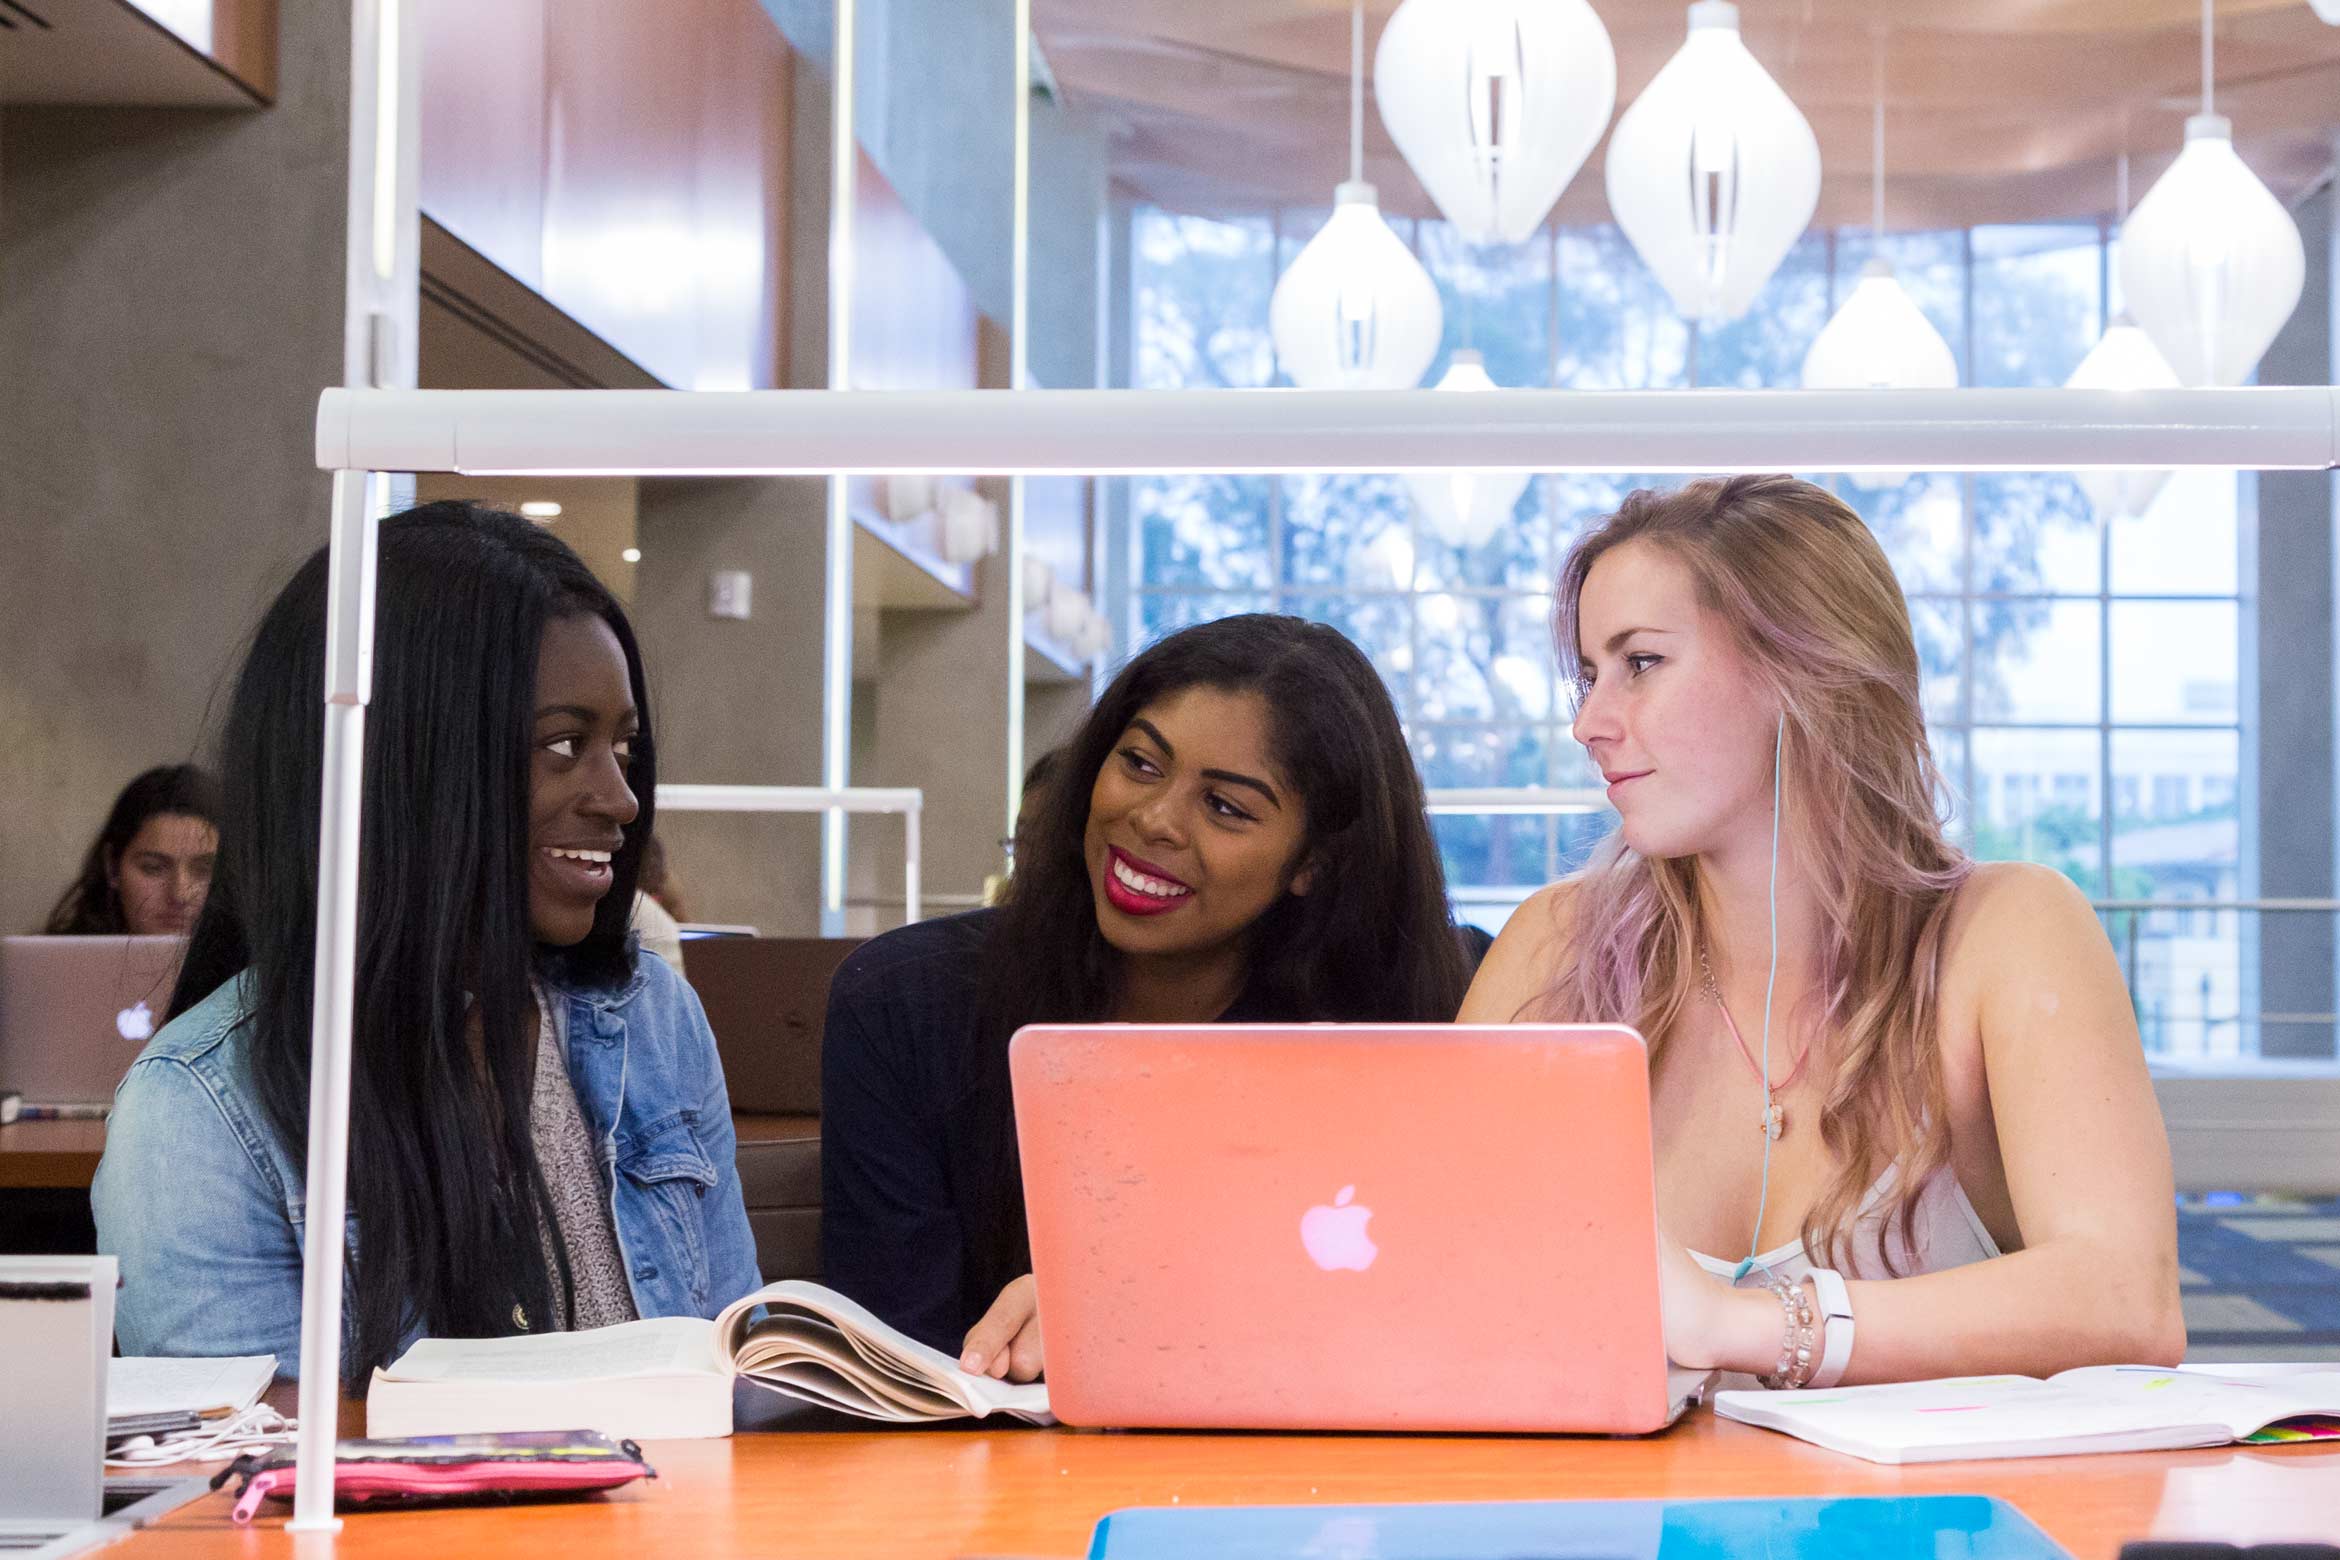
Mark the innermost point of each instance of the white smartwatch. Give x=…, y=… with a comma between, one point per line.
x=1836, y=1320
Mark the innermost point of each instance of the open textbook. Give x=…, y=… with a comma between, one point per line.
x=670, y=1377
x=2102, y=1408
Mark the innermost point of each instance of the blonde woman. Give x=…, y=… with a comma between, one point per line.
x=1953, y=1163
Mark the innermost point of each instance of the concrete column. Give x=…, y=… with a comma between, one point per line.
x=737, y=703
x=170, y=305
x=941, y=725
x=2295, y=690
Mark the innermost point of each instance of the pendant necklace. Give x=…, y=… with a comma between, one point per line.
x=1774, y=1114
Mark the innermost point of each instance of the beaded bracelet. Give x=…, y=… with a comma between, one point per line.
x=1797, y=1355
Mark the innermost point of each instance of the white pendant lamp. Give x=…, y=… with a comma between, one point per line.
x=1466, y=508
x=1712, y=172
x=1355, y=310
x=1495, y=104
x=1095, y=637
x=968, y=525
x=2125, y=358
x=1066, y=614
x=1880, y=339
x=2211, y=263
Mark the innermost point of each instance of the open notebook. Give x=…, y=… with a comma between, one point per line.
x=149, y=1388
x=2101, y=1408
x=670, y=1378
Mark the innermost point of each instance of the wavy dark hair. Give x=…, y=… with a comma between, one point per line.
x=443, y=1184
x=1373, y=940
x=93, y=905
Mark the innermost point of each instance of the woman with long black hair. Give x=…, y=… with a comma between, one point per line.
x=539, y=1133
x=1236, y=833
x=147, y=871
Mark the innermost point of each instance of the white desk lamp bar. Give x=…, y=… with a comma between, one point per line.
x=1141, y=432
x=908, y=801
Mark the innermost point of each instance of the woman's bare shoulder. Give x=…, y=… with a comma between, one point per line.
x=1527, y=952
x=2018, y=925
x=2019, y=903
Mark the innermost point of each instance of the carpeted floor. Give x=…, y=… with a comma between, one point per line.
x=2260, y=1277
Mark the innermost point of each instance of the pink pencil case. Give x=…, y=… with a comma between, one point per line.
x=421, y=1469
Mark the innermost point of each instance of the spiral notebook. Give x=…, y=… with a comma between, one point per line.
x=2100, y=1408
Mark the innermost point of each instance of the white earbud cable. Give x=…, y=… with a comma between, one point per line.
x=1770, y=986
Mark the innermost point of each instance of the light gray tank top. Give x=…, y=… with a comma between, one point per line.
x=1949, y=1233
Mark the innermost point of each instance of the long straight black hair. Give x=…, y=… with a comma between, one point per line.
x=1373, y=940
x=443, y=1187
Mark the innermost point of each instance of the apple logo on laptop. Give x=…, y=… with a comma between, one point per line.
x=1335, y=1235
x=136, y=1023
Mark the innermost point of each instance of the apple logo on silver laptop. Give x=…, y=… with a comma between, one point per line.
x=1335, y=1235
x=136, y=1023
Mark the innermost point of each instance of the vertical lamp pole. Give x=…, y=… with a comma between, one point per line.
x=1019, y=378
x=837, y=595
x=380, y=305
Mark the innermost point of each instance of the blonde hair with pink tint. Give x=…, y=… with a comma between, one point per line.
x=1804, y=591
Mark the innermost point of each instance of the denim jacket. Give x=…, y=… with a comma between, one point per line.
x=203, y=1205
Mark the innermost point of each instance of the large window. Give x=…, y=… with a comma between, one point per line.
x=2082, y=670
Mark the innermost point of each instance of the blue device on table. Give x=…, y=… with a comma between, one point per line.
x=1849, y=1528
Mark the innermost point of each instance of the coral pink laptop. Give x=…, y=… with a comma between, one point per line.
x=1345, y=1227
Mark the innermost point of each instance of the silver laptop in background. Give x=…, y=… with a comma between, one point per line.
x=76, y=1011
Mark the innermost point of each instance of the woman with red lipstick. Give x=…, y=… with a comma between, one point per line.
x=1236, y=833
x=539, y=1133
x=1906, y=1086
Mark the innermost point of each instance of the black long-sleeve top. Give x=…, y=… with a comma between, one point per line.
x=898, y=1152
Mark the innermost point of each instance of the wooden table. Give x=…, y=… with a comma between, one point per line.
x=64, y=1154
x=50, y=1154
x=1025, y=1492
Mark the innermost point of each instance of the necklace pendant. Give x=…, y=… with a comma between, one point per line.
x=1774, y=1121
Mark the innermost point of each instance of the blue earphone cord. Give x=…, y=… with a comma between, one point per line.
x=1770, y=984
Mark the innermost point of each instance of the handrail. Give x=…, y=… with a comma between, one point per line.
x=1487, y=800
x=2215, y=904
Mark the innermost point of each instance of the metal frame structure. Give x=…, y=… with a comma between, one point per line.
x=800, y=432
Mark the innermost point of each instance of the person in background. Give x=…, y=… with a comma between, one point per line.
x=539, y=1133
x=146, y=873
x=1235, y=834
x=1036, y=778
